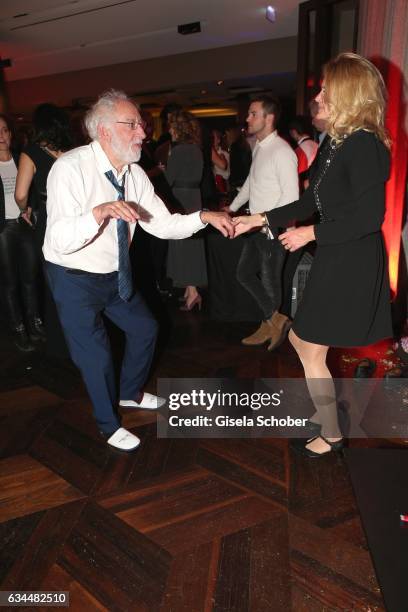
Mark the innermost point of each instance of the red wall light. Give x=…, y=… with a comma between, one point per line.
x=396, y=186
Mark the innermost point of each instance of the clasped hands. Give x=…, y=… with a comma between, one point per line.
x=130, y=213
x=230, y=227
x=293, y=239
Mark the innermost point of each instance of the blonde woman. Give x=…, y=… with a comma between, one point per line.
x=347, y=299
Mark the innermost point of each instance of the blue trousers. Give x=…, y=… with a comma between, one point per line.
x=81, y=298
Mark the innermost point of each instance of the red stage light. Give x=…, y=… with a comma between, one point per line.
x=395, y=188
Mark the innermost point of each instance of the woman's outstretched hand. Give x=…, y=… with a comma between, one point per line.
x=246, y=223
x=293, y=239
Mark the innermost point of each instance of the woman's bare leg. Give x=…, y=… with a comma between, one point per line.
x=191, y=292
x=321, y=388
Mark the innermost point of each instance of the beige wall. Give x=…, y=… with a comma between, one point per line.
x=253, y=59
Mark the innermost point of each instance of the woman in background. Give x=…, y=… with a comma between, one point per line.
x=51, y=138
x=186, y=263
x=220, y=162
x=240, y=159
x=19, y=261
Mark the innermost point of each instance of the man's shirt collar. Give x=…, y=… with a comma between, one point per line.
x=103, y=163
x=267, y=139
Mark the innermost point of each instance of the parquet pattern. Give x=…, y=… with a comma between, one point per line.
x=181, y=525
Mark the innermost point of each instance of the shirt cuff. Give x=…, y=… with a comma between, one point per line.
x=234, y=206
x=198, y=216
x=90, y=224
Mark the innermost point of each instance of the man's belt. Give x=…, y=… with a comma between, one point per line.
x=78, y=272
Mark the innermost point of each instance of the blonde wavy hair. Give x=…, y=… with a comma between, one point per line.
x=356, y=97
x=186, y=127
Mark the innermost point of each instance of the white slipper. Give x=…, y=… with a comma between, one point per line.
x=124, y=440
x=149, y=402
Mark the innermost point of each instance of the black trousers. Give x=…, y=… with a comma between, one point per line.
x=259, y=270
x=19, y=273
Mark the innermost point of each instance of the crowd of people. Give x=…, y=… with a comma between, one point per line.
x=73, y=211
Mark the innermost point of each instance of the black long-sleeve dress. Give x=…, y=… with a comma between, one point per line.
x=186, y=263
x=346, y=301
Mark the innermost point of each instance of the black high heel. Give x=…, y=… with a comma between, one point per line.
x=197, y=301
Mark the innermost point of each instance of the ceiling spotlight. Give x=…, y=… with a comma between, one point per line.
x=203, y=91
x=270, y=14
x=220, y=83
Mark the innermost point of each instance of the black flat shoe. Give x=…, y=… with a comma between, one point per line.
x=312, y=428
x=365, y=369
x=306, y=452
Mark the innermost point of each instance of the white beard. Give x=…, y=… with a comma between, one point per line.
x=125, y=154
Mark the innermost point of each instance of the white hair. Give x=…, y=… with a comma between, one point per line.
x=101, y=112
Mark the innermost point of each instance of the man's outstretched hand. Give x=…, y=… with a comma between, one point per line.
x=220, y=220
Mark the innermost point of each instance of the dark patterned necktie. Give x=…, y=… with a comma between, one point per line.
x=125, y=285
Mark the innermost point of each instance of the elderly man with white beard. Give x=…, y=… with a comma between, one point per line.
x=96, y=195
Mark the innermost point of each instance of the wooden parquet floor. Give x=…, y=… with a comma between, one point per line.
x=180, y=525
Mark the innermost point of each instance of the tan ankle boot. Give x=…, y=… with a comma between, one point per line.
x=262, y=335
x=279, y=326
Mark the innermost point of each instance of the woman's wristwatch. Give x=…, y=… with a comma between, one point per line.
x=265, y=229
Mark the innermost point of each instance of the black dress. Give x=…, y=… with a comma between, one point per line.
x=43, y=162
x=346, y=301
x=186, y=262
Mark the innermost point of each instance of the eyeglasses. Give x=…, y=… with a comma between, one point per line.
x=134, y=124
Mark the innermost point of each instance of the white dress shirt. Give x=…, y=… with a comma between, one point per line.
x=76, y=184
x=273, y=178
